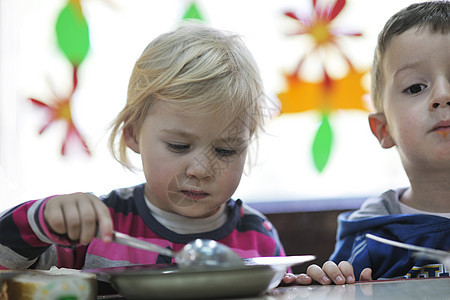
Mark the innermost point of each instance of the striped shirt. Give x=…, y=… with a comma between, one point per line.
x=26, y=242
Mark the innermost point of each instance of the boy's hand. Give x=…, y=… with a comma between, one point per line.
x=366, y=274
x=329, y=273
x=301, y=279
x=77, y=216
x=339, y=274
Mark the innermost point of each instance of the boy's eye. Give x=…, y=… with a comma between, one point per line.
x=178, y=147
x=415, y=88
x=221, y=152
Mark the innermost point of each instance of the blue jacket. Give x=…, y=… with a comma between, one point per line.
x=388, y=261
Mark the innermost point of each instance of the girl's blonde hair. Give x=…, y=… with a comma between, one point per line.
x=198, y=69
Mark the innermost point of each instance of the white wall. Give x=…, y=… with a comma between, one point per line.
x=31, y=66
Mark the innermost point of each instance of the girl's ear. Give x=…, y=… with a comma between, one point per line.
x=130, y=138
x=378, y=125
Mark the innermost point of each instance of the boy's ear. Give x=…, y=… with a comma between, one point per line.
x=378, y=125
x=130, y=139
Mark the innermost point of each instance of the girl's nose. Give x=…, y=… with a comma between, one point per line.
x=201, y=167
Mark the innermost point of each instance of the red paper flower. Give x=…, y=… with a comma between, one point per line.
x=329, y=94
x=60, y=110
x=318, y=26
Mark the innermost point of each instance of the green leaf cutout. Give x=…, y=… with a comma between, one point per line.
x=322, y=144
x=72, y=33
x=193, y=12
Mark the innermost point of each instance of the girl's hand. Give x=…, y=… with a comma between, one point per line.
x=78, y=216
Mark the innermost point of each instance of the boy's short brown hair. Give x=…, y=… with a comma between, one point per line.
x=430, y=15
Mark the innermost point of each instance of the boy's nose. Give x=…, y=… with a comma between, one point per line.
x=441, y=96
x=200, y=167
x=436, y=104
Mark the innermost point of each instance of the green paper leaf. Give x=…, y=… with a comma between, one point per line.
x=193, y=12
x=322, y=144
x=72, y=33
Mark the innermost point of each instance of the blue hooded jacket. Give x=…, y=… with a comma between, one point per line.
x=375, y=217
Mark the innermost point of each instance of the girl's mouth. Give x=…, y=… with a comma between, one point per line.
x=194, y=194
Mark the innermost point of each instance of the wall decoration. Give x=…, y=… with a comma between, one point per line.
x=193, y=12
x=81, y=102
x=72, y=34
x=329, y=94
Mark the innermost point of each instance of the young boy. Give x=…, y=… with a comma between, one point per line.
x=411, y=94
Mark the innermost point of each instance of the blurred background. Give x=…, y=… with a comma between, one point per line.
x=317, y=152
x=33, y=65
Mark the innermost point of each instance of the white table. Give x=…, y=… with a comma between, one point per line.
x=430, y=288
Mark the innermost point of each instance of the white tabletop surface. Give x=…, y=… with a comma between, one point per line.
x=432, y=288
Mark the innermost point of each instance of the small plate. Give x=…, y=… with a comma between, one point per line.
x=171, y=282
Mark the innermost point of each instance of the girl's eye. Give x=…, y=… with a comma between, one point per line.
x=221, y=152
x=178, y=148
x=415, y=88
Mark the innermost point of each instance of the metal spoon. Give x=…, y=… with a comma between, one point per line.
x=419, y=251
x=199, y=252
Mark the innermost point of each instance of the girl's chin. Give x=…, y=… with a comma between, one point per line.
x=195, y=212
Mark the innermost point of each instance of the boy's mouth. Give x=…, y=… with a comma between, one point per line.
x=443, y=127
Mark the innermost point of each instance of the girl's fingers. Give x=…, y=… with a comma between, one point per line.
x=88, y=221
x=78, y=216
x=72, y=220
x=54, y=217
x=104, y=221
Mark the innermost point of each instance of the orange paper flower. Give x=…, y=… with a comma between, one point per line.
x=344, y=93
x=329, y=94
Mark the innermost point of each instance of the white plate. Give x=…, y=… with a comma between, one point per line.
x=279, y=261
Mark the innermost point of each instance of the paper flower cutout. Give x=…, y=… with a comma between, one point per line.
x=329, y=94
x=193, y=13
x=72, y=33
x=318, y=25
x=59, y=110
x=343, y=93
